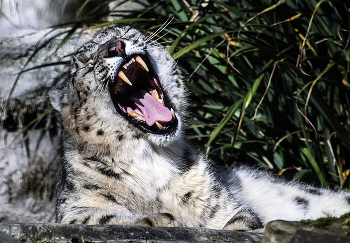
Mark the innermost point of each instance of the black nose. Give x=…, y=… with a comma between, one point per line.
x=117, y=49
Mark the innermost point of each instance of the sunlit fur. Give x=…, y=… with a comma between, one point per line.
x=114, y=173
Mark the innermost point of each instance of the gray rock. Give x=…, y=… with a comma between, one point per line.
x=5, y=238
x=280, y=231
x=123, y=233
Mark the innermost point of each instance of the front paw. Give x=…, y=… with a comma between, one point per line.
x=161, y=220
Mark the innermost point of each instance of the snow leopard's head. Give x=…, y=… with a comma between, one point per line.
x=121, y=81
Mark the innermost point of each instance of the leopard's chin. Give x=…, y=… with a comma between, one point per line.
x=138, y=96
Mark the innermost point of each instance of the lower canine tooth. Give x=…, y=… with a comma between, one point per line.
x=172, y=113
x=159, y=126
x=161, y=101
x=141, y=118
x=141, y=62
x=155, y=94
x=122, y=75
x=135, y=115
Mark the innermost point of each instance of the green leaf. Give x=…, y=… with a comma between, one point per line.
x=300, y=174
x=315, y=166
x=198, y=43
x=194, y=24
x=223, y=122
x=121, y=21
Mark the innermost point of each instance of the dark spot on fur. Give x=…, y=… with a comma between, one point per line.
x=86, y=220
x=105, y=219
x=178, y=83
x=169, y=216
x=61, y=200
x=77, y=130
x=146, y=222
x=75, y=113
x=86, y=128
x=100, y=132
x=69, y=186
x=95, y=159
x=88, y=118
x=109, y=172
x=78, y=93
x=313, y=191
x=347, y=199
x=91, y=187
x=136, y=136
x=213, y=211
x=216, y=189
x=59, y=217
x=73, y=79
x=186, y=197
x=120, y=137
x=110, y=197
x=302, y=201
x=189, y=159
x=73, y=221
x=246, y=217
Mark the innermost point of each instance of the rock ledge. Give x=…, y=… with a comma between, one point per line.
x=123, y=233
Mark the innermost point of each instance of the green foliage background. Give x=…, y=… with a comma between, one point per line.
x=268, y=79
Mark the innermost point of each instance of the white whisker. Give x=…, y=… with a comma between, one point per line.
x=160, y=29
x=164, y=34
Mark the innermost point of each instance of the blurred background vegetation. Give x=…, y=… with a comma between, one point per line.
x=268, y=79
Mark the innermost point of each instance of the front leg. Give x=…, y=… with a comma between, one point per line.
x=161, y=220
x=95, y=216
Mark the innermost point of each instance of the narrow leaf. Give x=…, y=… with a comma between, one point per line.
x=315, y=166
x=223, y=122
x=198, y=43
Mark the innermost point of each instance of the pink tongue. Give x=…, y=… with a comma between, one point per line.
x=152, y=110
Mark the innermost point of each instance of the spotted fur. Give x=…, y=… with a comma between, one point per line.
x=115, y=172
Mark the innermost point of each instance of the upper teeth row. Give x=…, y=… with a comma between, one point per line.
x=122, y=75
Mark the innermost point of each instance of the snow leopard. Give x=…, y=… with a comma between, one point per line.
x=126, y=159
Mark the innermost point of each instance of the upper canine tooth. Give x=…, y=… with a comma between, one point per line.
x=134, y=114
x=159, y=126
x=121, y=75
x=141, y=62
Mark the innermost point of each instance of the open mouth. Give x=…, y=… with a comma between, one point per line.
x=138, y=96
